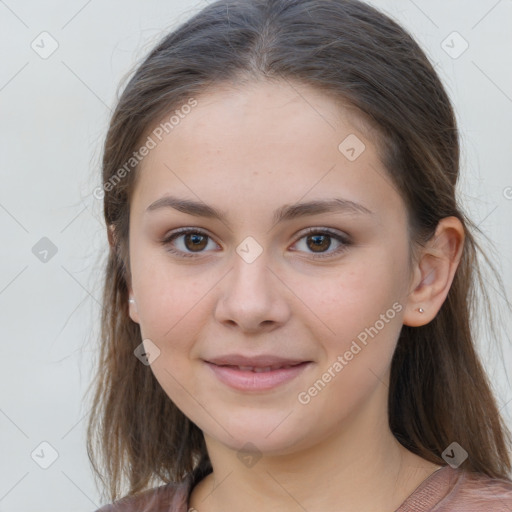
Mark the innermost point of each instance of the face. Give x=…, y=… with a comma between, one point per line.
x=317, y=294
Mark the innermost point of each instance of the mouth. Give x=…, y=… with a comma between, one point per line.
x=260, y=369
x=257, y=378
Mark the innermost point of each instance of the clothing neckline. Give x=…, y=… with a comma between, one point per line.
x=426, y=494
x=429, y=492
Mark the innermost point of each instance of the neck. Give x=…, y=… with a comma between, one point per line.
x=359, y=467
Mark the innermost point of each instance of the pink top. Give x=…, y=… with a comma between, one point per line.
x=445, y=490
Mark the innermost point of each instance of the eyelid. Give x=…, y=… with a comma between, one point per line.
x=341, y=237
x=167, y=239
x=344, y=239
x=324, y=229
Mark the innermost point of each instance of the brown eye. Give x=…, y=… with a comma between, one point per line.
x=186, y=242
x=195, y=241
x=319, y=243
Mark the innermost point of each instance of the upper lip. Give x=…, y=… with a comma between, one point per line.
x=259, y=361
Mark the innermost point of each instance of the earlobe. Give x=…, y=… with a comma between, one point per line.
x=132, y=310
x=419, y=308
x=132, y=306
x=114, y=245
x=434, y=273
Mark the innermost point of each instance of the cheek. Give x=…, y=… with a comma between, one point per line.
x=355, y=297
x=173, y=314
x=169, y=296
x=365, y=316
x=363, y=312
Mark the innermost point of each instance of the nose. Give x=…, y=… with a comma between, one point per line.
x=252, y=297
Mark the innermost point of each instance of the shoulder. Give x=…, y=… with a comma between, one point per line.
x=171, y=497
x=476, y=491
x=458, y=490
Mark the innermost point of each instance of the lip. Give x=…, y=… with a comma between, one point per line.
x=249, y=380
x=260, y=361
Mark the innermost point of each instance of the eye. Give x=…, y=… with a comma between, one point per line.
x=319, y=240
x=194, y=240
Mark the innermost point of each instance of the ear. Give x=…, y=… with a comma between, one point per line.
x=434, y=272
x=132, y=305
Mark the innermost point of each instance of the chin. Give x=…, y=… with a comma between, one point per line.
x=268, y=435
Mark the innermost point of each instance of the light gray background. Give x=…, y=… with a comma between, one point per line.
x=54, y=115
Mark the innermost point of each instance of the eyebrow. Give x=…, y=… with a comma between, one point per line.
x=284, y=213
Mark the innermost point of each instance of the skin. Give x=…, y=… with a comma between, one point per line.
x=249, y=150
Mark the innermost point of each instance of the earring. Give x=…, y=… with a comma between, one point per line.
x=131, y=301
x=421, y=310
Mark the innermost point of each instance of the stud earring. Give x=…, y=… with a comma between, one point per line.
x=131, y=301
x=421, y=310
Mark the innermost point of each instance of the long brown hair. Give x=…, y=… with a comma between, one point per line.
x=439, y=391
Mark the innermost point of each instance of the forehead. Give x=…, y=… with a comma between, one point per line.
x=268, y=142
x=280, y=111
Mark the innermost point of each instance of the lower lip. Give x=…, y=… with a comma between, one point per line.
x=256, y=381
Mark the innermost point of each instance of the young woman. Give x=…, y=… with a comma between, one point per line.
x=288, y=293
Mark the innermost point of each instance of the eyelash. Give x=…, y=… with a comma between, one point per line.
x=311, y=231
